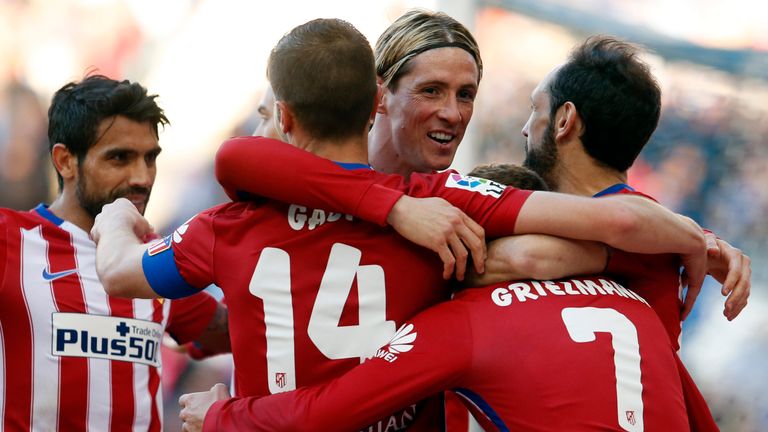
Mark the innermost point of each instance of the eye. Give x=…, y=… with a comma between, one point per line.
x=430, y=90
x=120, y=157
x=467, y=95
x=151, y=158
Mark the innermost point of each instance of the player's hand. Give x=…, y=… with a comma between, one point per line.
x=695, y=270
x=729, y=266
x=441, y=227
x=194, y=406
x=121, y=215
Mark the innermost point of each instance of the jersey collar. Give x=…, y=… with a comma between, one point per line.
x=618, y=187
x=43, y=211
x=353, y=165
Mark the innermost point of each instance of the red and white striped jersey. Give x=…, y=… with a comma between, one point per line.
x=73, y=358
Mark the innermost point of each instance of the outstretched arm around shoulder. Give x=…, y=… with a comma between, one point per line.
x=626, y=222
x=540, y=257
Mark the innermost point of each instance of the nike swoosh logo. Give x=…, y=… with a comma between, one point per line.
x=53, y=276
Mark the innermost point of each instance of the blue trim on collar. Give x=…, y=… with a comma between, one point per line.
x=43, y=211
x=353, y=165
x=484, y=406
x=614, y=189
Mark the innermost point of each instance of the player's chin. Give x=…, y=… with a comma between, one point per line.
x=441, y=160
x=139, y=201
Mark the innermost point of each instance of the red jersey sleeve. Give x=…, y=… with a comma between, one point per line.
x=286, y=173
x=424, y=357
x=295, y=176
x=193, y=248
x=189, y=316
x=492, y=205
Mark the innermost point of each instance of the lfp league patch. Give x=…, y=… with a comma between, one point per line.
x=158, y=246
x=475, y=184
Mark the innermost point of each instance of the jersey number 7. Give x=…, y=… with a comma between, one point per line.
x=582, y=324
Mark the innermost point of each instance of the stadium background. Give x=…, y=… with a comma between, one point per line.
x=206, y=60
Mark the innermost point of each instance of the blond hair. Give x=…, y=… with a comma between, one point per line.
x=415, y=32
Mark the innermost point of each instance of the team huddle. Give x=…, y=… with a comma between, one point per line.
x=359, y=290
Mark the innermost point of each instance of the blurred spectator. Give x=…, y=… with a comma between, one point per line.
x=26, y=173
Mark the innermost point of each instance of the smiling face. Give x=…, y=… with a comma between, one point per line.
x=428, y=110
x=120, y=165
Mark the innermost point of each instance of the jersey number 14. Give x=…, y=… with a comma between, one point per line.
x=271, y=282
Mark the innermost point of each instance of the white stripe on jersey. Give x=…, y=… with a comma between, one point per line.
x=96, y=303
x=143, y=410
x=45, y=369
x=143, y=309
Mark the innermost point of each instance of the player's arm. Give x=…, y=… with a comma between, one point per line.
x=200, y=324
x=256, y=166
x=540, y=257
x=434, y=363
x=627, y=222
x=118, y=232
x=286, y=173
x=129, y=268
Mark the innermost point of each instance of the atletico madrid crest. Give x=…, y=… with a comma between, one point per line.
x=160, y=245
x=280, y=379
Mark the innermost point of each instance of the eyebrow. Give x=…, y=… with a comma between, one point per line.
x=119, y=150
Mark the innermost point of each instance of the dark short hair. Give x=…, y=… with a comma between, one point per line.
x=78, y=108
x=510, y=175
x=616, y=96
x=324, y=71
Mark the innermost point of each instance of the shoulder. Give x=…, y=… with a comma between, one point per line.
x=10, y=217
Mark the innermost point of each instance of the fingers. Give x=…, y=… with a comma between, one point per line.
x=460, y=254
x=739, y=295
x=735, y=269
x=473, y=236
x=693, y=277
x=690, y=299
x=448, y=261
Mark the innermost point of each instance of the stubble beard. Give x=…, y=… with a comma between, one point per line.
x=543, y=159
x=92, y=203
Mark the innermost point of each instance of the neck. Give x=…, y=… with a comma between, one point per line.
x=67, y=208
x=579, y=174
x=383, y=155
x=351, y=150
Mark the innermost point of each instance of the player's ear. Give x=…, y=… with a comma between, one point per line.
x=64, y=161
x=375, y=108
x=381, y=98
x=568, y=122
x=284, y=117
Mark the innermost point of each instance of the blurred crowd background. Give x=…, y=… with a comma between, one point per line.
x=206, y=60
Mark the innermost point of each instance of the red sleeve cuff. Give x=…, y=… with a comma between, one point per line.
x=211, y=420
